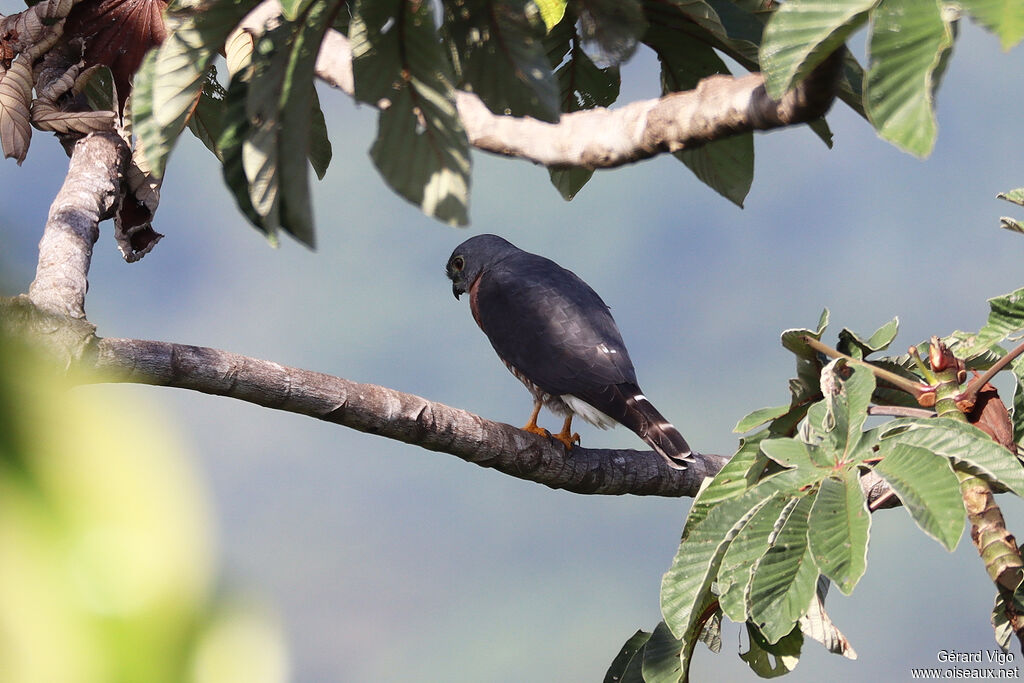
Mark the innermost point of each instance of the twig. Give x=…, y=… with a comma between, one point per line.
x=915, y=389
x=978, y=382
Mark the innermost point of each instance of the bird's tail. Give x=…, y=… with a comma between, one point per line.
x=642, y=417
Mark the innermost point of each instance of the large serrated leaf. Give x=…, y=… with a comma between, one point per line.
x=623, y=660
x=785, y=577
x=1005, y=18
x=928, y=488
x=661, y=660
x=726, y=165
x=421, y=149
x=910, y=41
x=802, y=33
x=1006, y=316
x=759, y=417
x=501, y=57
x=839, y=525
x=966, y=446
x=582, y=85
x=750, y=544
x=686, y=586
x=171, y=77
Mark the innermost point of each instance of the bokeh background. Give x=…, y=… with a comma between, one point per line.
x=385, y=562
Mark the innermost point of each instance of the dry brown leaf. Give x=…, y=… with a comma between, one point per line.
x=143, y=184
x=15, y=100
x=118, y=33
x=45, y=116
x=58, y=86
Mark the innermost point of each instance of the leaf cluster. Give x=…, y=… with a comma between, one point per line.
x=524, y=58
x=788, y=515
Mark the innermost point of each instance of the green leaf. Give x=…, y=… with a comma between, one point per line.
x=726, y=165
x=771, y=661
x=170, y=78
x=297, y=100
x=1015, y=196
x=852, y=344
x=1011, y=224
x=726, y=26
x=808, y=368
x=569, y=181
x=759, y=417
x=551, y=11
x=232, y=137
x=1006, y=316
x=617, y=669
x=969, y=448
x=910, y=41
x=839, y=525
x=740, y=473
x=99, y=90
x=750, y=544
x=293, y=9
x=686, y=586
x=421, y=149
x=1017, y=367
x=928, y=488
x=320, y=151
x=821, y=129
x=207, y=119
x=801, y=33
x=582, y=85
x=1005, y=18
x=802, y=457
x=784, y=579
x=500, y=56
x=661, y=660
x=848, y=410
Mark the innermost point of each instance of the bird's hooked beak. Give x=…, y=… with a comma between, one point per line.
x=457, y=289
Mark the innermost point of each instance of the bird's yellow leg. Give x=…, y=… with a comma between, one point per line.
x=531, y=426
x=566, y=436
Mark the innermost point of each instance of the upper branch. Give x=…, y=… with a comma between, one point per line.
x=397, y=415
x=605, y=138
x=89, y=195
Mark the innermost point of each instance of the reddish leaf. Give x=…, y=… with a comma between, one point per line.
x=117, y=33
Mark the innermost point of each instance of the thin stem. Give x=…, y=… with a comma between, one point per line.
x=978, y=382
x=915, y=389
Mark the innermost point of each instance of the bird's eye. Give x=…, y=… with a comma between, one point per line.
x=458, y=263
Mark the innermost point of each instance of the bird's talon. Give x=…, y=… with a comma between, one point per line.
x=567, y=440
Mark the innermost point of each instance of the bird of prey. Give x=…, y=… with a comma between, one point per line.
x=558, y=338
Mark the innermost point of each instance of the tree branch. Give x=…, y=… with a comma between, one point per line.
x=720, y=106
x=89, y=195
x=397, y=415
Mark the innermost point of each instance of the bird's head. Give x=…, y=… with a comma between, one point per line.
x=471, y=258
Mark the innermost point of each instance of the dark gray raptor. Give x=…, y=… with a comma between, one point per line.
x=557, y=336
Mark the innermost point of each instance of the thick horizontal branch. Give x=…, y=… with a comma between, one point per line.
x=397, y=415
x=720, y=106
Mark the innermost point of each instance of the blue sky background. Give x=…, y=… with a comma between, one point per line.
x=386, y=562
